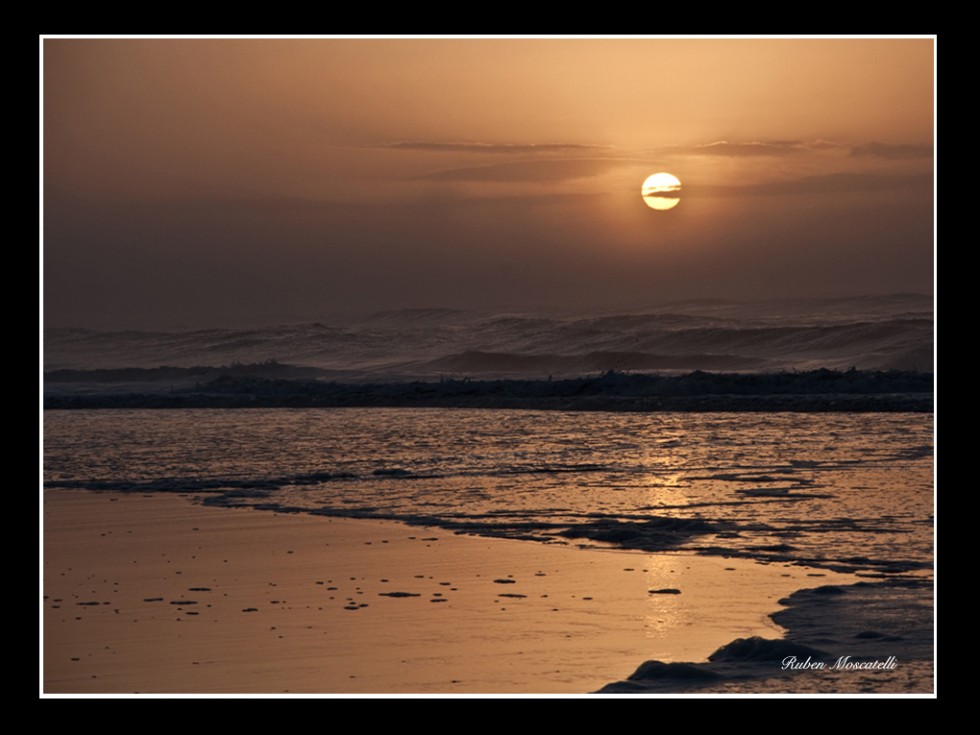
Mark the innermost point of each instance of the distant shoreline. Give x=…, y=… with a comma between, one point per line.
x=809, y=391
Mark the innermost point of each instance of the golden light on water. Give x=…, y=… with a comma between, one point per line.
x=660, y=191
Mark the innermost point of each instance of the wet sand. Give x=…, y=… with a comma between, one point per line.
x=158, y=594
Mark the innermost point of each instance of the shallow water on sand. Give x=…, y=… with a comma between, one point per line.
x=849, y=491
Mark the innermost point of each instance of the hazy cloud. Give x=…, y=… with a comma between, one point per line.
x=821, y=144
x=529, y=171
x=754, y=148
x=829, y=183
x=887, y=150
x=409, y=145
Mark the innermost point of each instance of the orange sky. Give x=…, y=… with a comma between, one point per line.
x=212, y=179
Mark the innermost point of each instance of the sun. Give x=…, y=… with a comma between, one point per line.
x=660, y=191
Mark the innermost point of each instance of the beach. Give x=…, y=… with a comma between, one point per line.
x=396, y=366
x=159, y=594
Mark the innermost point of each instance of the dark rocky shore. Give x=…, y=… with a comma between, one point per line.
x=810, y=391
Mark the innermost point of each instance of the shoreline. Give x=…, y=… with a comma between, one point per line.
x=157, y=593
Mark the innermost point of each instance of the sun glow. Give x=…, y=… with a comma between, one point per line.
x=660, y=191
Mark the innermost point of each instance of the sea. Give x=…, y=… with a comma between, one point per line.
x=849, y=492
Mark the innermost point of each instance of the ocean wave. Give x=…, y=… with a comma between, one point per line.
x=872, y=333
